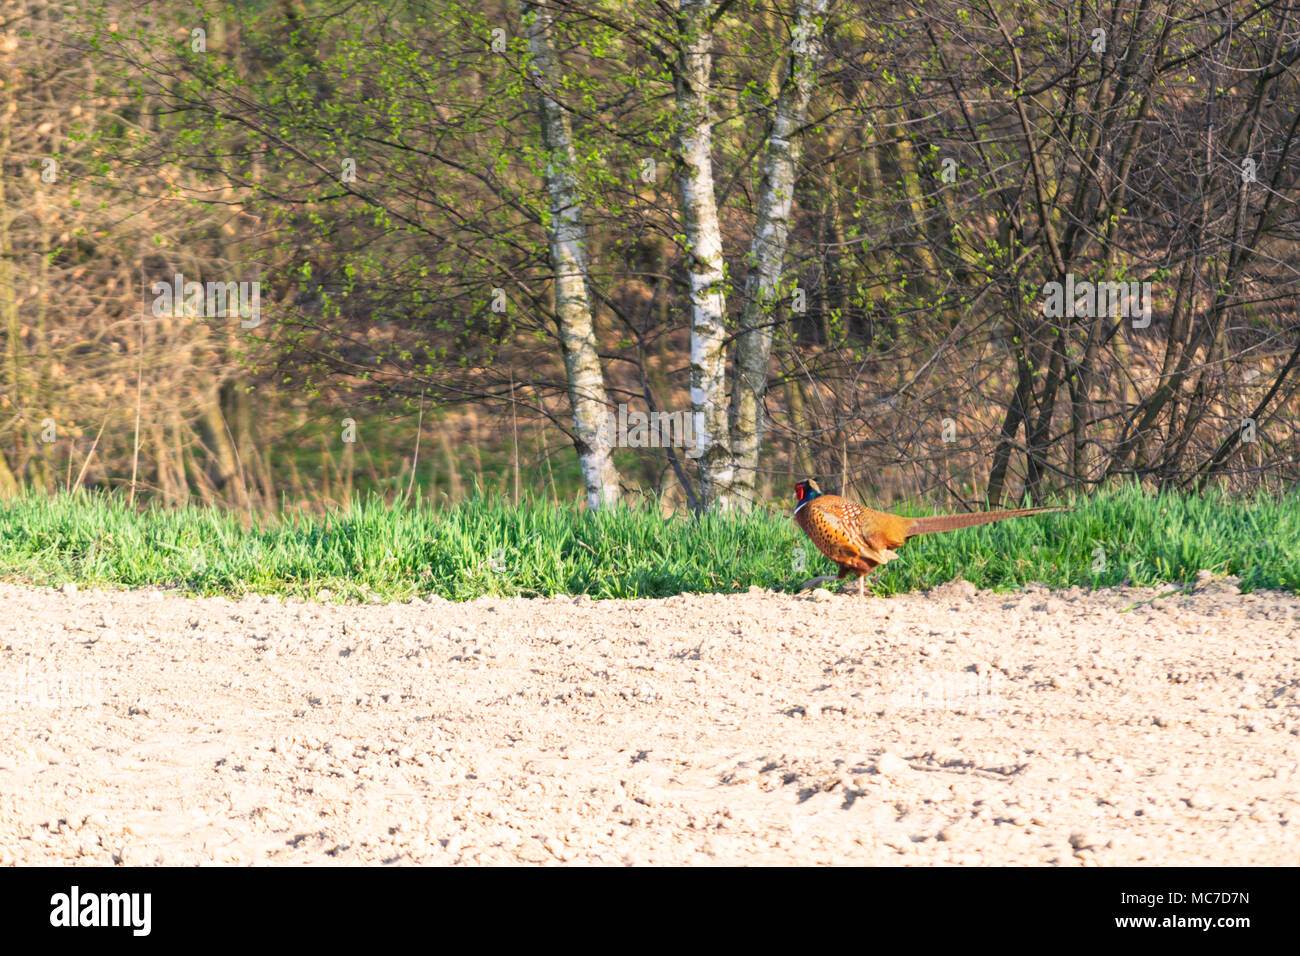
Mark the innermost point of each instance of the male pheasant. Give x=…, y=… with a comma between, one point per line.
x=859, y=540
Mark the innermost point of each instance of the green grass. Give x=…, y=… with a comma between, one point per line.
x=487, y=547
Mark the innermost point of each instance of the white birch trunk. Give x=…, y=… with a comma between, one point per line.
x=568, y=235
x=767, y=249
x=704, y=239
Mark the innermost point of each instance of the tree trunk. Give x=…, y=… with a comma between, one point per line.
x=568, y=237
x=222, y=464
x=1016, y=413
x=767, y=250
x=704, y=242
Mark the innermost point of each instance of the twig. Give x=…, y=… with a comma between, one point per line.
x=90, y=454
x=415, y=459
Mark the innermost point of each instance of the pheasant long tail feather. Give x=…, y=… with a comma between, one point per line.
x=952, y=522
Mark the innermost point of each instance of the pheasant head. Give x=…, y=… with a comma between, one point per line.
x=805, y=491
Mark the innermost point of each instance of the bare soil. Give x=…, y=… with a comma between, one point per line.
x=953, y=727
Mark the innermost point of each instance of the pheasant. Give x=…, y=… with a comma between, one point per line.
x=859, y=540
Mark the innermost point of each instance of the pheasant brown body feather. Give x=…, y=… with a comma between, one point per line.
x=850, y=535
x=860, y=539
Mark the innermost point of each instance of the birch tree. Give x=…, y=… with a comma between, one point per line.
x=693, y=81
x=731, y=433
x=768, y=248
x=567, y=235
